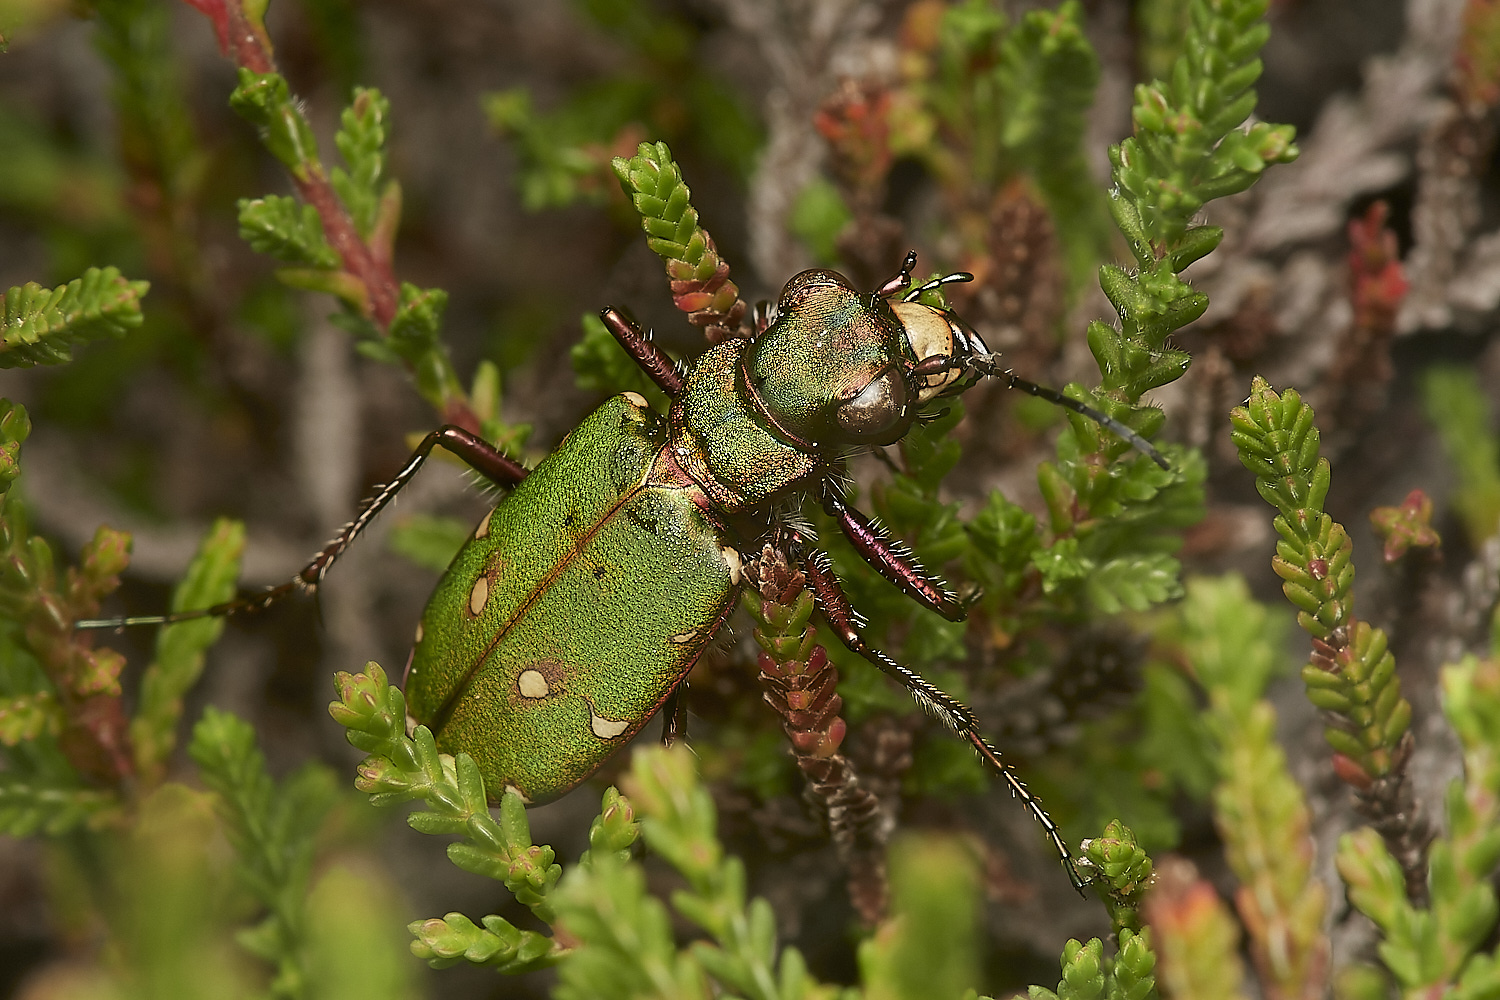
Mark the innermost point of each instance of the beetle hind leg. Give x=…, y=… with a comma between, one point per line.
x=893, y=561
x=476, y=452
x=841, y=617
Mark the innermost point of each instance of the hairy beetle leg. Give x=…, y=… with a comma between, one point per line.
x=892, y=561
x=841, y=618
x=477, y=453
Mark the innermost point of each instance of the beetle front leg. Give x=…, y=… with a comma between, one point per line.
x=841, y=618
x=477, y=453
x=893, y=562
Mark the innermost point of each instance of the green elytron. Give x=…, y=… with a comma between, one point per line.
x=578, y=603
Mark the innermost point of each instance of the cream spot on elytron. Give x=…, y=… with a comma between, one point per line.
x=418, y=637
x=483, y=531
x=607, y=729
x=735, y=564
x=479, y=595
x=635, y=399
x=532, y=684
x=685, y=636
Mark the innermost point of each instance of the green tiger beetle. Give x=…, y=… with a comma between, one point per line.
x=574, y=612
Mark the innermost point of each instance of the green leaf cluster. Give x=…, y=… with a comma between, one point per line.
x=1186, y=151
x=66, y=764
x=1262, y=817
x=273, y=830
x=1088, y=975
x=1047, y=73
x=293, y=232
x=364, y=188
x=157, y=137
x=40, y=326
x=1188, y=148
x=288, y=230
x=654, y=183
x=1434, y=950
x=1352, y=676
x=993, y=102
x=1122, y=873
x=265, y=101
x=1459, y=410
x=626, y=946
x=620, y=937
x=403, y=768
x=363, y=206
x=128, y=844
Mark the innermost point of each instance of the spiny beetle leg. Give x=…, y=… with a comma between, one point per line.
x=652, y=359
x=475, y=452
x=894, y=563
x=841, y=618
x=674, y=716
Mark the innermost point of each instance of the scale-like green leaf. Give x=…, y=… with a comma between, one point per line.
x=40, y=326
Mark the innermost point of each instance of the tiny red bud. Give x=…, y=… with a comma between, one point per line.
x=1351, y=773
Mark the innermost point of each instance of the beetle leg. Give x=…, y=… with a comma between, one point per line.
x=892, y=560
x=652, y=359
x=841, y=617
x=761, y=317
x=477, y=453
x=674, y=716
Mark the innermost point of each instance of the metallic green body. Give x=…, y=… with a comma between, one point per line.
x=585, y=597
x=578, y=605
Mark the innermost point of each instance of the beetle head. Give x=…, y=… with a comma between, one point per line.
x=831, y=369
x=838, y=367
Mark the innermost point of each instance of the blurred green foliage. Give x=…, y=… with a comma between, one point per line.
x=664, y=89
x=1461, y=412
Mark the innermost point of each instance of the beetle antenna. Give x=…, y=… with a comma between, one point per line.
x=987, y=364
x=957, y=277
x=901, y=282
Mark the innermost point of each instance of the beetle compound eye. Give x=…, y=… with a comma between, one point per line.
x=877, y=409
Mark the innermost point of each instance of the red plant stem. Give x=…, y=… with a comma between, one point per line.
x=245, y=41
x=359, y=260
